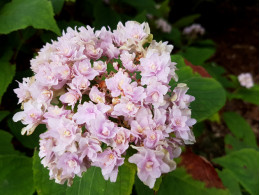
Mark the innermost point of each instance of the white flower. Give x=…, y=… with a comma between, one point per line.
x=246, y=80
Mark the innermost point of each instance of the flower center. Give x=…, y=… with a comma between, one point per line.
x=72, y=163
x=153, y=137
x=67, y=133
x=105, y=132
x=119, y=139
x=155, y=96
x=111, y=156
x=130, y=106
x=149, y=165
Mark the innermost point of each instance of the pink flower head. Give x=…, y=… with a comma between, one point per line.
x=121, y=140
x=70, y=98
x=180, y=98
x=56, y=112
x=103, y=129
x=115, y=83
x=132, y=32
x=109, y=161
x=89, y=147
x=180, y=124
x=151, y=165
x=135, y=93
x=66, y=129
x=97, y=96
x=79, y=83
x=155, y=67
x=31, y=116
x=84, y=68
x=85, y=113
x=152, y=138
x=93, y=52
x=128, y=61
x=125, y=108
x=70, y=164
x=155, y=94
x=23, y=92
x=100, y=66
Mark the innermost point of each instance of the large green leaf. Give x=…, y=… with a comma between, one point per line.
x=19, y=14
x=209, y=95
x=229, y=181
x=217, y=72
x=243, y=164
x=141, y=188
x=57, y=5
x=92, y=181
x=16, y=175
x=6, y=75
x=244, y=135
x=3, y=114
x=249, y=95
x=198, y=55
x=6, y=146
x=180, y=182
x=30, y=141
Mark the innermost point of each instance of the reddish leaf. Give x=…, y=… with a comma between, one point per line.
x=198, y=69
x=200, y=169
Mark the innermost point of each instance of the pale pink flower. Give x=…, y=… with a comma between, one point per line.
x=109, y=161
x=246, y=80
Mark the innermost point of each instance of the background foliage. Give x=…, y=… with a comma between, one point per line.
x=26, y=25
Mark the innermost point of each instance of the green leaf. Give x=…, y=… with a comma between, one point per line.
x=240, y=129
x=30, y=141
x=104, y=16
x=42, y=183
x=234, y=144
x=19, y=14
x=185, y=21
x=92, y=181
x=249, y=95
x=198, y=55
x=180, y=182
x=183, y=71
x=209, y=96
x=141, y=188
x=3, y=114
x=217, y=72
x=16, y=175
x=6, y=76
x=244, y=165
x=229, y=181
x=6, y=147
x=198, y=129
x=57, y=5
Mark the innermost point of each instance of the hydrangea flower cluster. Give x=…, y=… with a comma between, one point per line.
x=100, y=93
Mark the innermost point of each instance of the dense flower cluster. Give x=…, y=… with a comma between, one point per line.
x=100, y=92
